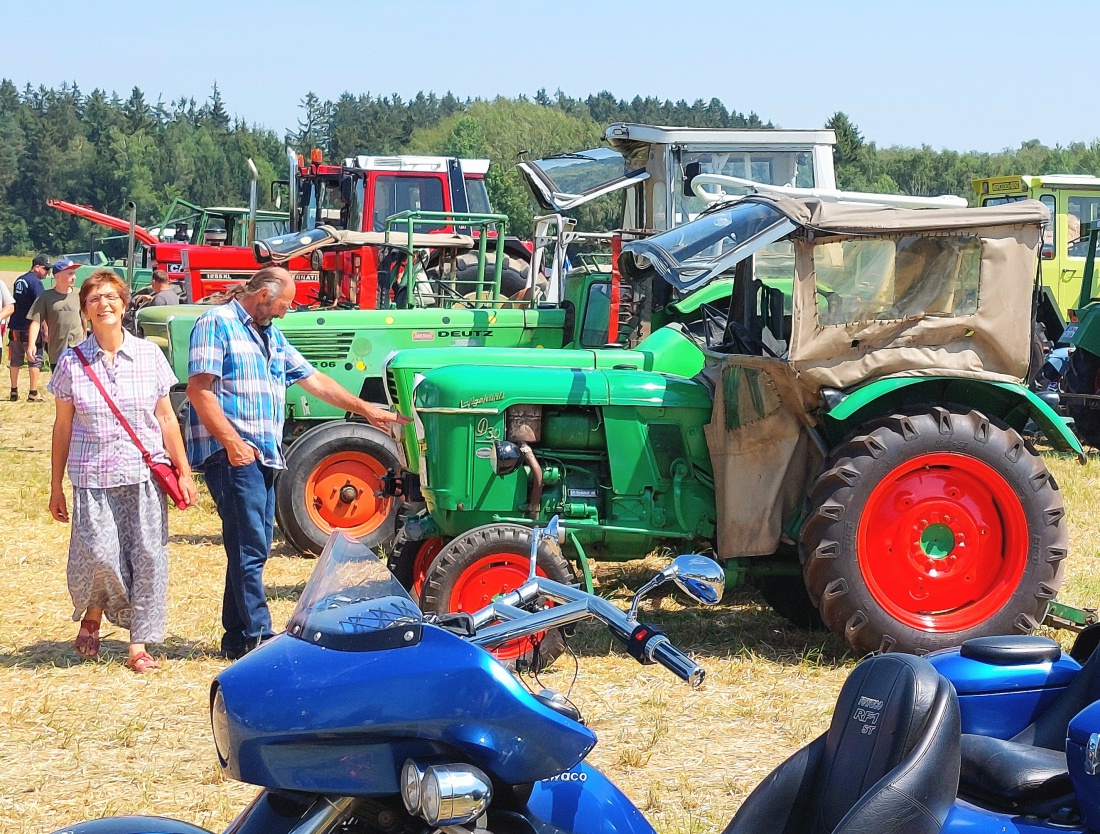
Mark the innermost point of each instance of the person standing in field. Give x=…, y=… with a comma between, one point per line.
x=239, y=368
x=7, y=306
x=25, y=291
x=118, y=547
x=57, y=310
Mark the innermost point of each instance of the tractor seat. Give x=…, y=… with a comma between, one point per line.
x=1027, y=773
x=889, y=762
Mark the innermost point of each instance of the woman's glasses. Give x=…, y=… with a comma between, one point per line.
x=108, y=297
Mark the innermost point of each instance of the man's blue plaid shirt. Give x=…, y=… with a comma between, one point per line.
x=251, y=381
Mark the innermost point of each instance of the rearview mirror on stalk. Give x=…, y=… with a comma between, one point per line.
x=698, y=576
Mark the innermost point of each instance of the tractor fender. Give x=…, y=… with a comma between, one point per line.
x=1010, y=402
x=1087, y=333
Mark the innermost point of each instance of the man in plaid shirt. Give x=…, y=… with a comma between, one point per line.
x=239, y=368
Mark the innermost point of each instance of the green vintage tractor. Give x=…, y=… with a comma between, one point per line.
x=844, y=431
x=1080, y=380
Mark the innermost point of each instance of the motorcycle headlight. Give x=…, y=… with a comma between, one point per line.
x=454, y=794
x=219, y=724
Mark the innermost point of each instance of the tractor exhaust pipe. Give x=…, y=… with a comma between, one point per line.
x=534, y=502
x=253, y=200
x=132, y=206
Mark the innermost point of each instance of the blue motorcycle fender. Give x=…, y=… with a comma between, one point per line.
x=964, y=818
x=584, y=801
x=133, y=825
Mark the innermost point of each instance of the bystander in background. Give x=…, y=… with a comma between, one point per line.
x=25, y=292
x=57, y=311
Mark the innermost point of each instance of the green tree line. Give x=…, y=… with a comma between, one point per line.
x=104, y=151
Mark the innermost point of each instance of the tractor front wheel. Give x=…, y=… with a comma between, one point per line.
x=485, y=563
x=410, y=562
x=932, y=527
x=1083, y=377
x=333, y=474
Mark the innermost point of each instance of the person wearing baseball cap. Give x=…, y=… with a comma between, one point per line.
x=59, y=309
x=25, y=292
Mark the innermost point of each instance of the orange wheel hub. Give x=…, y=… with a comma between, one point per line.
x=341, y=494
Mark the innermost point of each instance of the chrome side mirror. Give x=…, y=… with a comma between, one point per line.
x=504, y=457
x=698, y=576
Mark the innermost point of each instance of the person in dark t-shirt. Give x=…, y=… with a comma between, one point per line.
x=25, y=290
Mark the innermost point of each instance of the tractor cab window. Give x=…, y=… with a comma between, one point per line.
x=597, y=311
x=1081, y=210
x=271, y=228
x=477, y=195
x=393, y=195
x=869, y=279
x=793, y=168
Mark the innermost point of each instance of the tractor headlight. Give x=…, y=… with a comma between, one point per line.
x=219, y=724
x=453, y=794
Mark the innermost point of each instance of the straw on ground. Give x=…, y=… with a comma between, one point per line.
x=84, y=740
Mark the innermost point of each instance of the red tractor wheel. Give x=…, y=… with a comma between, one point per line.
x=410, y=562
x=333, y=474
x=484, y=563
x=930, y=528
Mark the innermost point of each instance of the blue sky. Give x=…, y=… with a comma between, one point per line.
x=964, y=75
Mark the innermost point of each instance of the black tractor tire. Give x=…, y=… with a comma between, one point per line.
x=1083, y=377
x=1041, y=346
x=787, y=597
x=488, y=561
x=409, y=562
x=931, y=527
x=310, y=500
x=513, y=275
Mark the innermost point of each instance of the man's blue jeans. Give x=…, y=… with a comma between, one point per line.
x=245, y=497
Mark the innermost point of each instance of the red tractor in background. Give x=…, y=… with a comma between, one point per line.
x=213, y=247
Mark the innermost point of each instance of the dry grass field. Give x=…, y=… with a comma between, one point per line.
x=83, y=740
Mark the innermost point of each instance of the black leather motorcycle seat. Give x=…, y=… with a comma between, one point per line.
x=1012, y=649
x=1010, y=776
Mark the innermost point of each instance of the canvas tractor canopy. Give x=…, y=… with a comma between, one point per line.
x=874, y=420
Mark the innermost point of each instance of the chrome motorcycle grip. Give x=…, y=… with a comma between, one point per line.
x=660, y=650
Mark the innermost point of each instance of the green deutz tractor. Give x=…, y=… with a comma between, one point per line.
x=844, y=430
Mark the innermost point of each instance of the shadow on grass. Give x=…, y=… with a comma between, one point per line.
x=741, y=625
x=60, y=654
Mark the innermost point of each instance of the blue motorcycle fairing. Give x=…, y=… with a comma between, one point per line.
x=133, y=825
x=584, y=801
x=301, y=717
x=1087, y=787
x=964, y=818
x=1000, y=700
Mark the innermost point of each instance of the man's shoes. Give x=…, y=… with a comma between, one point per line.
x=14, y=396
x=35, y=397
x=235, y=651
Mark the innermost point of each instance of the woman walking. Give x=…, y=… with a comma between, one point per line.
x=118, y=548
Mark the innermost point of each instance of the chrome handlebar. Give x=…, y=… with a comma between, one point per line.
x=574, y=605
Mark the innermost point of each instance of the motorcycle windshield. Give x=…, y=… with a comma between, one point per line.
x=696, y=253
x=353, y=603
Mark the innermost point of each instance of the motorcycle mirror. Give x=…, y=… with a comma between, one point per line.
x=553, y=531
x=504, y=456
x=698, y=576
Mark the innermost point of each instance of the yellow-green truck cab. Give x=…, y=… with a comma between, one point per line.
x=1072, y=200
